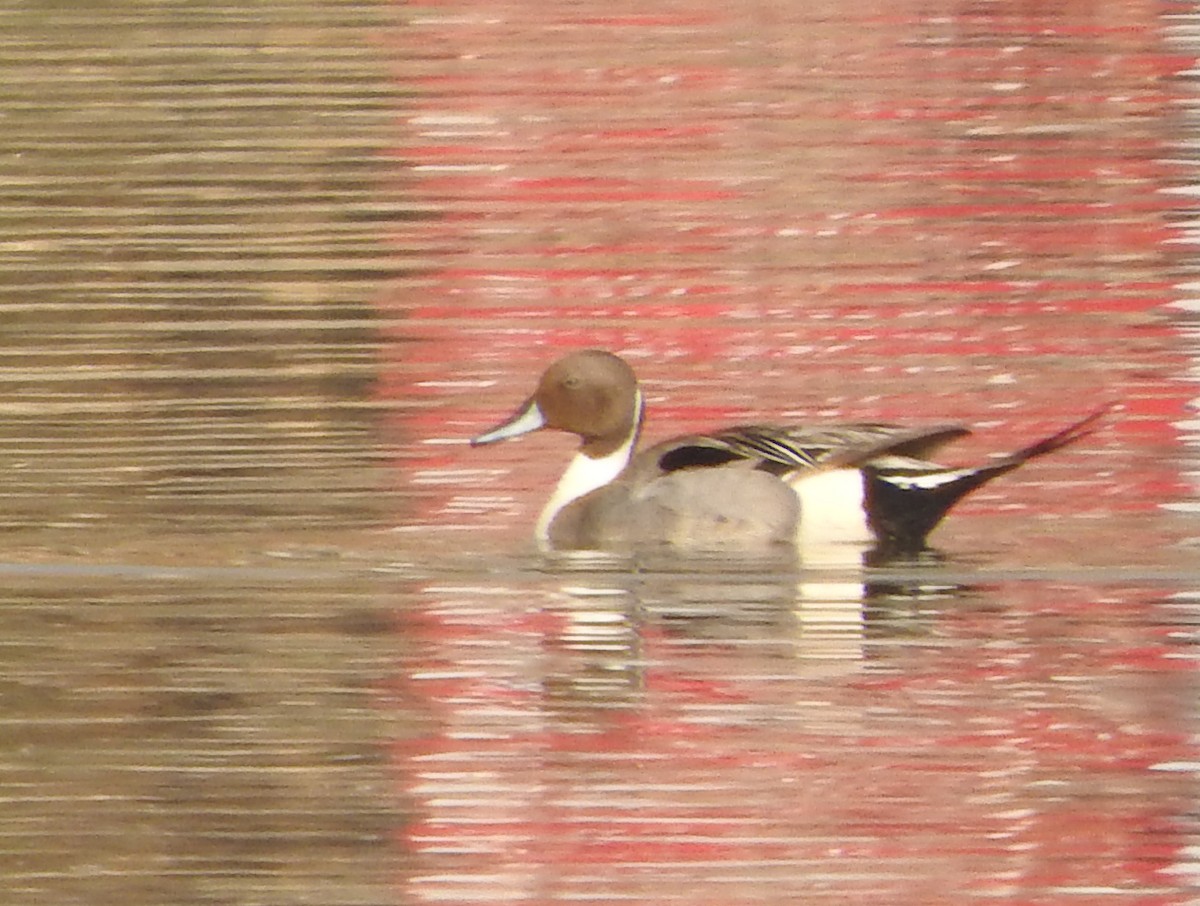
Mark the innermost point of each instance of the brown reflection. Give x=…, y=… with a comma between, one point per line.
x=195, y=743
x=192, y=231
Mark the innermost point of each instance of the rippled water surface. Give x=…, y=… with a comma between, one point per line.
x=323, y=733
x=273, y=634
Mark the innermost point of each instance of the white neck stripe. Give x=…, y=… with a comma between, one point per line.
x=584, y=474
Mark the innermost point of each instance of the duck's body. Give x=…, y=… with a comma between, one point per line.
x=743, y=487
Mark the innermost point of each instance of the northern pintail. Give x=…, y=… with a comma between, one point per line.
x=741, y=487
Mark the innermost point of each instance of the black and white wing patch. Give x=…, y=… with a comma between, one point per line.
x=783, y=450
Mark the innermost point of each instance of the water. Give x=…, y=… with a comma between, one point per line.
x=674, y=740
x=273, y=634
x=323, y=733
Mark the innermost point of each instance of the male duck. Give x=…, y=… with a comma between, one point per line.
x=742, y=487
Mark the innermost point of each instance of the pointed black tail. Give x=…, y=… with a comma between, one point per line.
x=1067, y=435
x=905, y=505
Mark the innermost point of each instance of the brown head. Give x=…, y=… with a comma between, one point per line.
x=591, y=393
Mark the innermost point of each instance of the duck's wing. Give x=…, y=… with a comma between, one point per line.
x=783, y=450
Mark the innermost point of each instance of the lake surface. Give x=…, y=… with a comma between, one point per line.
x=274, y=634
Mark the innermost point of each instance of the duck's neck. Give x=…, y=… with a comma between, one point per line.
x=586, y=473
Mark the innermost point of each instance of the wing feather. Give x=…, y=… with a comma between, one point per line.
x=801, y=448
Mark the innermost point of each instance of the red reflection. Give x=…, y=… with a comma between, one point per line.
x=904, y=211
x=899, y=212
x=1014, y=757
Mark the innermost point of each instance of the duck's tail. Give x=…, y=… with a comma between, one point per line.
x=907, y=499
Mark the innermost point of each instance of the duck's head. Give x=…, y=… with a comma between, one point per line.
x=591, y=393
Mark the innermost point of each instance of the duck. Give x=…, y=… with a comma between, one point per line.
x=865, y=484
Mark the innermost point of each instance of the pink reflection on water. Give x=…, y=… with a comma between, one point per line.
x=788, y=212
x=1002, y=754
x=781, y=211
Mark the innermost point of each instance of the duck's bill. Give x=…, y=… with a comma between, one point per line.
x=525, y=420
